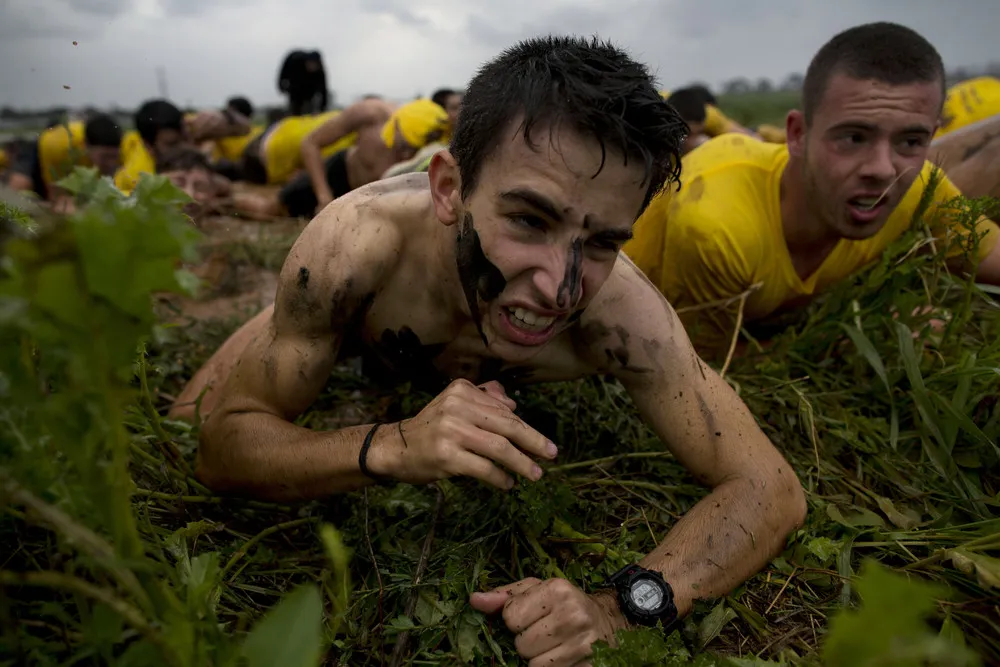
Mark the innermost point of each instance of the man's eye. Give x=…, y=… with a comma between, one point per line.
x=532, y=221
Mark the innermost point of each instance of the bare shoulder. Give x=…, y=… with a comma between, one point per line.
x=630, y=329
x=339, y=261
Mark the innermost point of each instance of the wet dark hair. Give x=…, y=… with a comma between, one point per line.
x=593, y=86
x=241, y=105
x=157, y=115
x=440, y=97
x=182, y=158
x=689, y=103
x=886, y=52
x=102, y=130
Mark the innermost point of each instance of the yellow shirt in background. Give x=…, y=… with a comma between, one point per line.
x=231, y=148
x=722, y=232
x=131, y=141
x=61, y=148
x=4, y=159
x=137, y=162
x=970, y=102
x=282, y=150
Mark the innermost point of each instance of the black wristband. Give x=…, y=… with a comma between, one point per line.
x=363, y=454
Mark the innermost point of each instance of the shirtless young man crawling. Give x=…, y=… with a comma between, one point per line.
x=503, y=262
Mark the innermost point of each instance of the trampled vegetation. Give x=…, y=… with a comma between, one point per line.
x=115, y=554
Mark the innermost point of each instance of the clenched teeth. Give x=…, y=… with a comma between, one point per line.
x=529, y=320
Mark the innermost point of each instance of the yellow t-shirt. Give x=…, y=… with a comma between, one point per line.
x=721, y=233
x=60, y=150
x=282, y=149
x=138, y=161
x=970, y=102
x=4, y=159
x=231, y=148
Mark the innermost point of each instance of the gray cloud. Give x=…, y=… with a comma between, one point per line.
x=99, y=7
x=211, y=49
x=401, y=10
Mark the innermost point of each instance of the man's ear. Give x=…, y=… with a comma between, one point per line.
x=446, y=187
x=795, y=132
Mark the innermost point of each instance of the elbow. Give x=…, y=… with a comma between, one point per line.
x=213, y=467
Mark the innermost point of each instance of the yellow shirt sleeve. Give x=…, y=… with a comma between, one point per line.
x=139, y=162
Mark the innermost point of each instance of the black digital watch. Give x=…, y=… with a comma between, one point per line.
x=644, y=596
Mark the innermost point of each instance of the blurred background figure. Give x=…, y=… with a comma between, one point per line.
x=303, y=80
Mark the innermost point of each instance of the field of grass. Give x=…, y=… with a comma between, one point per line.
x=753, y=109
x=116, y=554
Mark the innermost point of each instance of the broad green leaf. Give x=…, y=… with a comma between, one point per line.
x=711, y=626
x=290, y=634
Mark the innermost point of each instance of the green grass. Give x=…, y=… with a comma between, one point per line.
x=117, y=555
x=753, y=109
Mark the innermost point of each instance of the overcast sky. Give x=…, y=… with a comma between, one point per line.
x=211, y=49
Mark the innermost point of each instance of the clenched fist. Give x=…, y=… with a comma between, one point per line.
x=466, y=430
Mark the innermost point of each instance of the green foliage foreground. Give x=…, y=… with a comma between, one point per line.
x=115, y=554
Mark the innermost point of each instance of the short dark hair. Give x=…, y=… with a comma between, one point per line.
x=102, y=130
x=440, y=97
x=707, y=96
x=886, y=52
x=689, y=103
x=157, y=115
x=241, y=105
x=592, y=85
x=182, y=158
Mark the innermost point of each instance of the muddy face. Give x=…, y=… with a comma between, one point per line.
x=540, y=234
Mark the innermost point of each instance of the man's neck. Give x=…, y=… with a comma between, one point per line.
x=808, y=240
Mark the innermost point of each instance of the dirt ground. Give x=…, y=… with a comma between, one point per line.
x=239, y=266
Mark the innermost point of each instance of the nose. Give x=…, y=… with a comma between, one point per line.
x=879, y=165
x=559, y=275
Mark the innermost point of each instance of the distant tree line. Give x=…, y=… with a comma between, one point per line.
x=13, y=117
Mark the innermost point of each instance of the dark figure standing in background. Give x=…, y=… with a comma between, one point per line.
x=303, y=79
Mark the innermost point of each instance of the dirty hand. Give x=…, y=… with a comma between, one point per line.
x=555, y=622
x=465, y=430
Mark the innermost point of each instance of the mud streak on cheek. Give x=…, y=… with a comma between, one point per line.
x=480, y=278
x=569, y=289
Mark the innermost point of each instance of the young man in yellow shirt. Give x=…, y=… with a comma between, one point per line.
x=160, y=127
x=94, y=143
x=784, y=222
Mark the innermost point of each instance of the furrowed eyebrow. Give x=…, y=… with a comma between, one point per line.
x=536, y=201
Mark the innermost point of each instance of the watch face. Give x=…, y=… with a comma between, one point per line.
x=646, y=595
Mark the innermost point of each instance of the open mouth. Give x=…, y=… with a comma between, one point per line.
x=866, y=209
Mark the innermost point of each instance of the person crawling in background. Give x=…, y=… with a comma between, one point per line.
x=757, y=230
x=94, y=143
x=449, y=100
x=373, y=137
x=502, y=266
x=191, y=172
x=160, y=126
